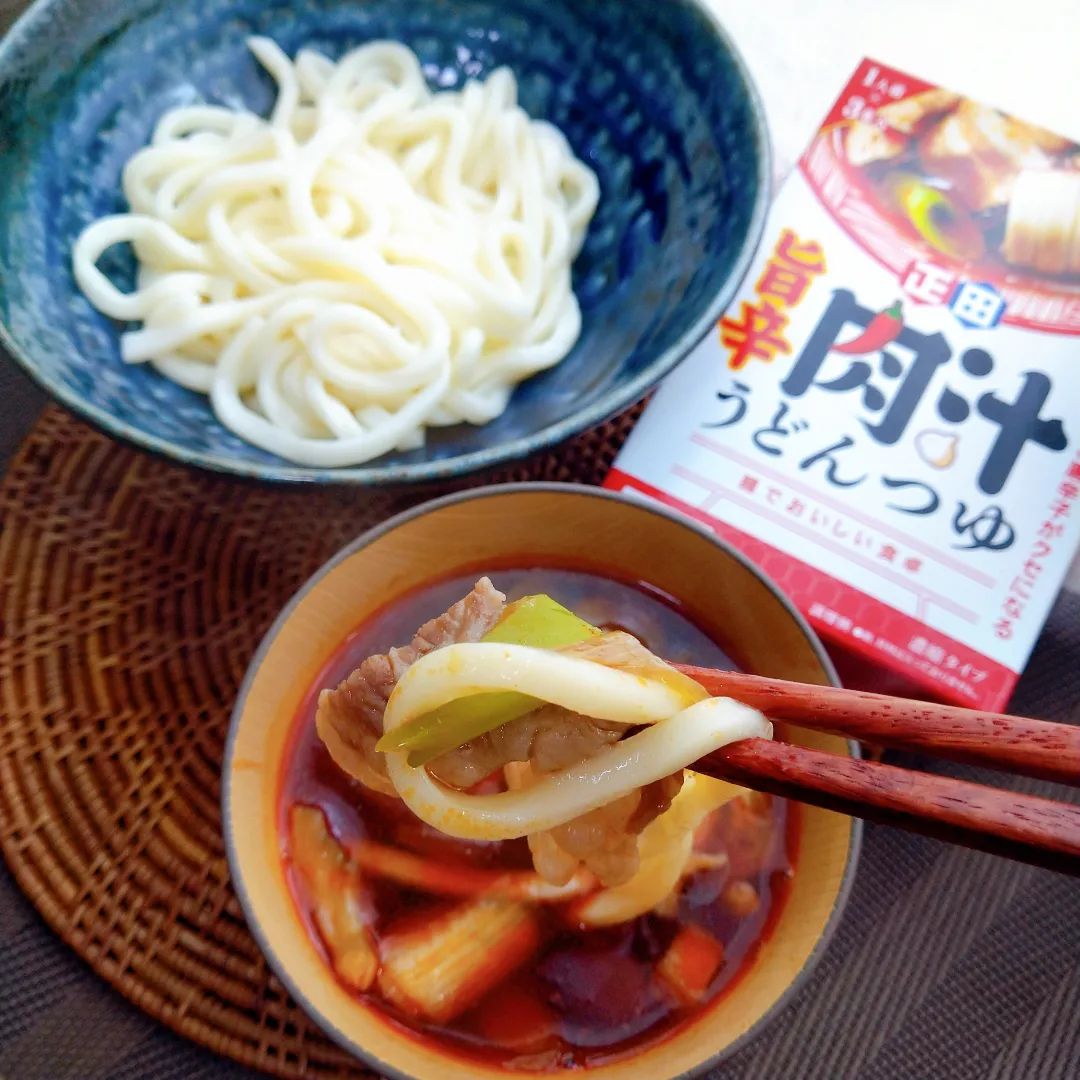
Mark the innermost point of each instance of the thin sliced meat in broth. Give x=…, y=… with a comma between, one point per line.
x=550, y=738
x=605, y=839
x=349, y=719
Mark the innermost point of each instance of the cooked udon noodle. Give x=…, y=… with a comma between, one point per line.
x=371, y=260
x=589, y=737
x=680, y=727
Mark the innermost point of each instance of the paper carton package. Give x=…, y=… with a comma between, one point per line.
x=887, y=419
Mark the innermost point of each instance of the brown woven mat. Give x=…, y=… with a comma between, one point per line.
x=133, y=593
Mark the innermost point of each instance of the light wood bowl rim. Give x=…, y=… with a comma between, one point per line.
x=625, y=1066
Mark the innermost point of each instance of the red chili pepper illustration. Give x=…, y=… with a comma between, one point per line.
x=882, y=328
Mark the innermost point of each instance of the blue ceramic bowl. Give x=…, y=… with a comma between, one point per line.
x=652, y=94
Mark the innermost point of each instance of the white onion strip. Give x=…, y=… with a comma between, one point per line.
x=679, y=734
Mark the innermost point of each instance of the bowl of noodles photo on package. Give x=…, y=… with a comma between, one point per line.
x=367, y=241
x=459, y=801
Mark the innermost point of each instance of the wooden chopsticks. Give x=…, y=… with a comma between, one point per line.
x=1019, y=826
x=1011, y=743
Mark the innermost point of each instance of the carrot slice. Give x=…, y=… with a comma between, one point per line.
x=692, y=960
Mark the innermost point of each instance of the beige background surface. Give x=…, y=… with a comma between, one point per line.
x=1020, y=55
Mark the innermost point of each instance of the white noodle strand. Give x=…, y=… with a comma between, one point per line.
x=680, y=731
x=371, y=260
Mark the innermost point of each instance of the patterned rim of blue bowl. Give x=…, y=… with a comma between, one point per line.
x=475, y=461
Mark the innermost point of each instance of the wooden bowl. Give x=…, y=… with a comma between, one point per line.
x=546, y=522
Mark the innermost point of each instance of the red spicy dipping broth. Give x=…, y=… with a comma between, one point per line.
x=569, y=996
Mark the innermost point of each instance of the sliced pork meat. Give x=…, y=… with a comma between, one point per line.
x=605, y=839
x=349, y=718
x=550, y=738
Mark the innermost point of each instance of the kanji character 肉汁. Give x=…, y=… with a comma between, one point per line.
x=1019, y=423
x=817, y=366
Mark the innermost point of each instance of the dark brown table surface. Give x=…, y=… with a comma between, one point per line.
x=946, y=964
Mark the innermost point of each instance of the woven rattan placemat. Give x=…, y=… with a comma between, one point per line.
x=134, y=593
